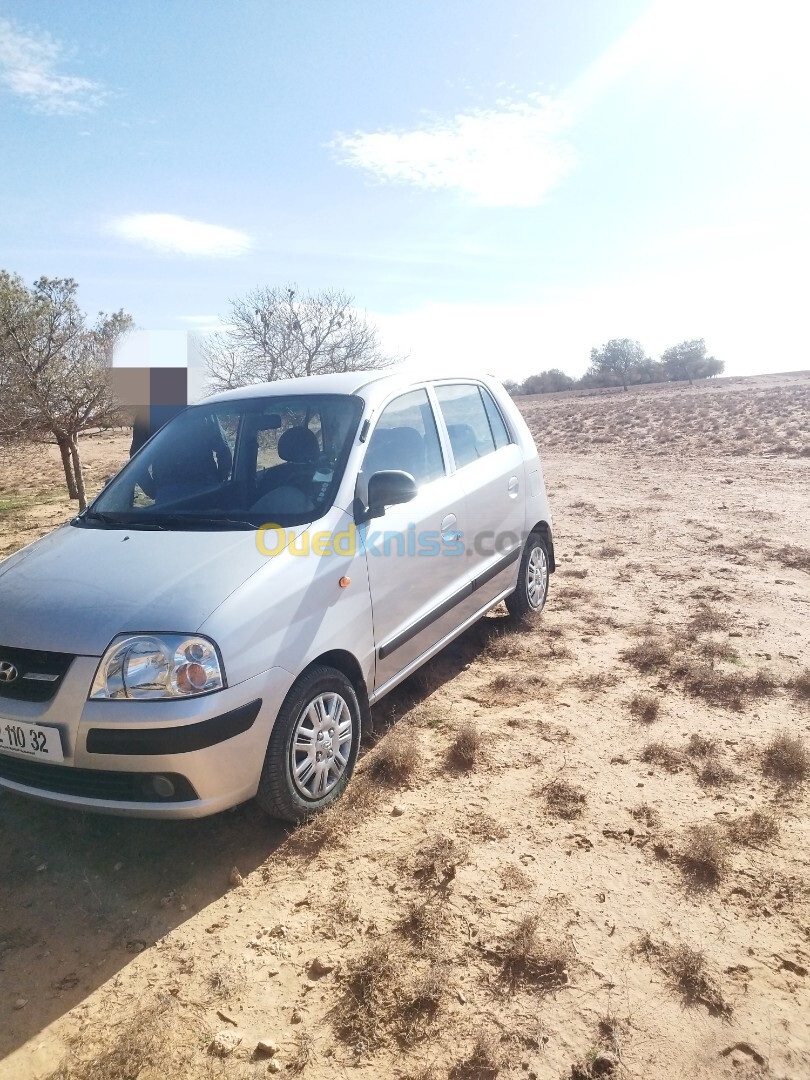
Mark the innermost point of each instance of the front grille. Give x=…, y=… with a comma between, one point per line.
x=92, y=783
x=38, y=674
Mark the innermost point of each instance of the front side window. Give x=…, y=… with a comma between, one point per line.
x=405, y=437
x=236, y=464
x=467, y=422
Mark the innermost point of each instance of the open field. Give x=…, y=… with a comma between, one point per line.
x=579, y=849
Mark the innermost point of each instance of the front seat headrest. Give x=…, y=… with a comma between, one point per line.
x=299, y=445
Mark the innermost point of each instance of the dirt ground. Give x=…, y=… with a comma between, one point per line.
x=578, y=849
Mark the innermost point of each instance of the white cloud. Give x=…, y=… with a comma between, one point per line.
x=511, y=155
x=172, y=234
x=29, y=69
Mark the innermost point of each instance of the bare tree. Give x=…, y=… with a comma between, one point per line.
x=279, y=333
x=54, y=368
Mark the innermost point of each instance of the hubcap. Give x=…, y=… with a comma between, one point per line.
x=537, y=577
x=321, y=746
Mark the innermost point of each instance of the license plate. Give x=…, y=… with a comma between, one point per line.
x=31, y=740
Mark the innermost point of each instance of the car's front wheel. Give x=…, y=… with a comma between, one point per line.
x=313, y=746
x=532, y=585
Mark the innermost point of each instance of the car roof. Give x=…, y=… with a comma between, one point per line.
x=346, y=382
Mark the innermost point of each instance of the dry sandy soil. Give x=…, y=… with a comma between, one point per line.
x=577, y=849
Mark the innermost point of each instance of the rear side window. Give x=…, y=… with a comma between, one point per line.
x=405, y=437
x=468, y=424
x=496, y=424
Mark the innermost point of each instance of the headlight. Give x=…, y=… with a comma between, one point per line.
x=158, y=666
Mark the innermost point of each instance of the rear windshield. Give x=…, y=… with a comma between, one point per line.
x=236, y=464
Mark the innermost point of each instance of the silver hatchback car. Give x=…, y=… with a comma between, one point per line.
x=218, y=623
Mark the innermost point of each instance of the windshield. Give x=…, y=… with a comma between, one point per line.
x=236, y=464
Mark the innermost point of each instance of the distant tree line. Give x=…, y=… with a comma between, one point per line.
x=623, y=362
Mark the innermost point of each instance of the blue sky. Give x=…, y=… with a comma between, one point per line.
x=499, y=185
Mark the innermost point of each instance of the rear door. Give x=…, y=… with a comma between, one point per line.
x=417, y=572
x=489, y=465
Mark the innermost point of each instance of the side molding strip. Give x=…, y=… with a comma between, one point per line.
x=409, y=632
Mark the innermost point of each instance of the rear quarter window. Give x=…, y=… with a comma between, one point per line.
x=468, y=424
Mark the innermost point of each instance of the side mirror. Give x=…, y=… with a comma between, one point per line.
x=388, y=488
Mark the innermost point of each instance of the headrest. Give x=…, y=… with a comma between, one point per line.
x=464, y=443
x=397, y=448
x=299, y=445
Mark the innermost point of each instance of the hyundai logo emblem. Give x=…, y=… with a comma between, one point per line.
x=8, y=673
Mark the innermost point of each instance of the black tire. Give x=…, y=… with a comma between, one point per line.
x=524, y=602
x=280, y=794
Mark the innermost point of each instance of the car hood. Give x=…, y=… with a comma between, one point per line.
x=75, y=589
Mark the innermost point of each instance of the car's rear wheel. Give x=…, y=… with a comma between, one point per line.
x=313, y=746
x=529, y=597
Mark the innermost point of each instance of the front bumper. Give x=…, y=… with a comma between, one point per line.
x=211, y=748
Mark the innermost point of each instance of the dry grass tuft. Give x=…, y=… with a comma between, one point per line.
x=464, y=752
x=715, y=773
x=689, y=971
x=303, y=1054
x=483, y=826
x=704, y=854
x=646, y=945
x=609, y=551
x=528, y=957
x=499, y=685
x=424, y=923
x=149, y=1042
x=331, y=827
x=428, y=1071
x=435, y=862
x=648, y=655
x=609, y=1029
x=512, y=689
x=755, y=828
x=514, y=878
x=596, y=681
x=800, y=686
x=660, y=753
x=418, y=1004
x=572, y=593
x=645, y=708
x=369, y=991
x=482, y=1063
x=787, y=759
x=509, y=644
x=226, y=981
x=707, y=619
x=729, y=690
x=793, y=557
x=701, y=745
x=396, y=757
x=563, y=799
x=647, y=815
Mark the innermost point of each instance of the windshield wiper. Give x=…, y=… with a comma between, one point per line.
x=204, y=521
x=117, y=520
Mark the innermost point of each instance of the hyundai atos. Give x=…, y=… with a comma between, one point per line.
x=217, y=624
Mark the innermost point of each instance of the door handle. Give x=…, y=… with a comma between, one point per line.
x=513, y=487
